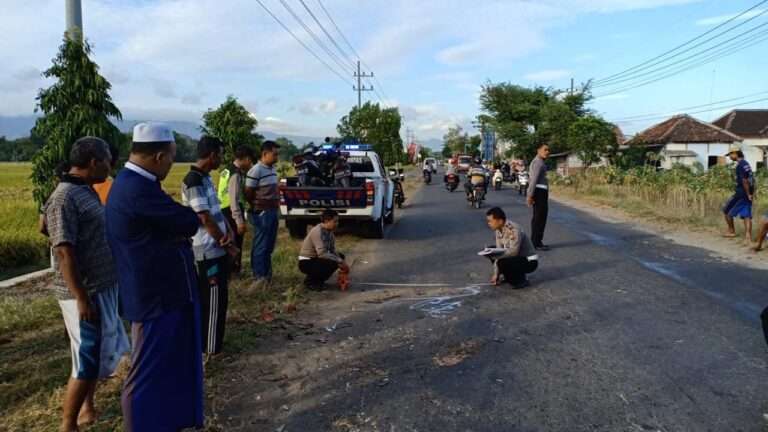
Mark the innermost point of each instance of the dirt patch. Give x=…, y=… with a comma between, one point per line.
x=458, y=354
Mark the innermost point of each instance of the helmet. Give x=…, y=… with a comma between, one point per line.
x=309, y=151
x=478, y=161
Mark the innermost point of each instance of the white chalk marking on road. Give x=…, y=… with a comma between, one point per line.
x=439, y=306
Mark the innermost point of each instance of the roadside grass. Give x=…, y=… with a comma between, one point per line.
x=671, y=207
x=34, y=349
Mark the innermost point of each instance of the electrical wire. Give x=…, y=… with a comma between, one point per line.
x=306, y=47
x=666, y=53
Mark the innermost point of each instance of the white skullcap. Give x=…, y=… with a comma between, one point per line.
x=152, y=132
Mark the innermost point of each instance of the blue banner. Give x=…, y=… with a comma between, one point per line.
x=489, y=144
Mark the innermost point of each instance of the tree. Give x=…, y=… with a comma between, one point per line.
x=233, y=125
x=474, y=144
x=456, y=140
x=76, y=105
x=376, y=126
x=529, y=117
x=287, y=149
x=591, y=138
x=186, y=148
x=446, y=152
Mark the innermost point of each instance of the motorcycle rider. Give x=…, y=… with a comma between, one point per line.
x=476, y=175
x=498, y=177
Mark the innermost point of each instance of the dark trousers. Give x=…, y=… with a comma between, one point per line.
x=213, y=281
x=540, y=211
x=238, y=260
x=318, y=270
x=515, y=268
x=764, y=319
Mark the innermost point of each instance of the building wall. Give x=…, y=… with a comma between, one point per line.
x=752, y=154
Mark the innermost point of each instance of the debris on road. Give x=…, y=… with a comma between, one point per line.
x=383, y=299
x=337, y=326
x=458, y=354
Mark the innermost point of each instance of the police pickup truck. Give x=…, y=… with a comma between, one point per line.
x=368, y=201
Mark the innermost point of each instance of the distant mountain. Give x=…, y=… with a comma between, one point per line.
x=19, y=127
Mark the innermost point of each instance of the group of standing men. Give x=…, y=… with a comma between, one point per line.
x=167, y=265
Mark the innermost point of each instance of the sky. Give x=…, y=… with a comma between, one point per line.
x=174, y=59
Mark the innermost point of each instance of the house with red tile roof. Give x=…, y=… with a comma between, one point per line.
x=752, y=126
x=685, y=140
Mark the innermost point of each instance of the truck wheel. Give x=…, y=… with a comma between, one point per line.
x=376, y=228
x=390, y=219
x=296, y=229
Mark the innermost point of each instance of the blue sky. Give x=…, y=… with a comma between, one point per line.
x=172, y=60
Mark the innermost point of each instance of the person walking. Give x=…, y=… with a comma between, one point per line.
x=740, y=204
x=261, y=191
x=318, y=258
x=149, y=234
x=212, y=242
x=84, y=279
x=232, y=198
x=516, y=256
x=538, y=196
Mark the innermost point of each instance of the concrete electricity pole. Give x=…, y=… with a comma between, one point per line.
x=360, y=87
x=74, y=14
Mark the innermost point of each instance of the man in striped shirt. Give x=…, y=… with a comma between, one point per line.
x=261, y=191
x=211, y=243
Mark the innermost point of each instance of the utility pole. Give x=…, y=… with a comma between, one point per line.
x=360, y=87
x=571, y=86
x=74, y=14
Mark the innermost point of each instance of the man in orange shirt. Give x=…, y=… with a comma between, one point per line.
x=102, y=189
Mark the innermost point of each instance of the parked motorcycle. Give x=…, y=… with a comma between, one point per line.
x=451, y=182
x=399, y=193
x=427, y=176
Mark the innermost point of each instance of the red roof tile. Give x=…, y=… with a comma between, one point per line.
x=745, y=123
x=684, y=129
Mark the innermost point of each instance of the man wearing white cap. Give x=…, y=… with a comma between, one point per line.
x=149, y=234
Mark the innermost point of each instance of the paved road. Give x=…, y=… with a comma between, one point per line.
x=620, y=331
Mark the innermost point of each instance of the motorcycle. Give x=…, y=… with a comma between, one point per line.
x=498, y=179
x=522, y=182
x=478, y=196
x=427, y=176
x=451, y=182
x=399, y=193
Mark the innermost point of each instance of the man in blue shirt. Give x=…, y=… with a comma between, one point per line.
x=740, y=204
x=148, y=233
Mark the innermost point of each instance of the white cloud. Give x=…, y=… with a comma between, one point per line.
x=548, y=75
x=459, y=54
x=317, y=107
x=618, y=96
x=711, y=21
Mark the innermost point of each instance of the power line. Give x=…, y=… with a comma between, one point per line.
x=314, y=36
x=718, y=55
x=331, y=38
x=679, y=110
x=699, y=112
x=352, y=48
x=303, y=44
x=693, y=56
x=666, y=53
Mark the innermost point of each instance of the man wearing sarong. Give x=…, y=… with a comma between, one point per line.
x=149, y=234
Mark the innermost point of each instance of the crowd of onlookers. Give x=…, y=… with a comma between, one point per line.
x=125, y=250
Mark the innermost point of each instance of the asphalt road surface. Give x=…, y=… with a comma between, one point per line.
x=620, y=331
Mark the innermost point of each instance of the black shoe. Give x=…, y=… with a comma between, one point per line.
x=520, y=285
x=542, y=247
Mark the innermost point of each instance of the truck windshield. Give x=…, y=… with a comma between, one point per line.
x=361, y=164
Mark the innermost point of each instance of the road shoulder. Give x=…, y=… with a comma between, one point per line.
x=732, y=250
